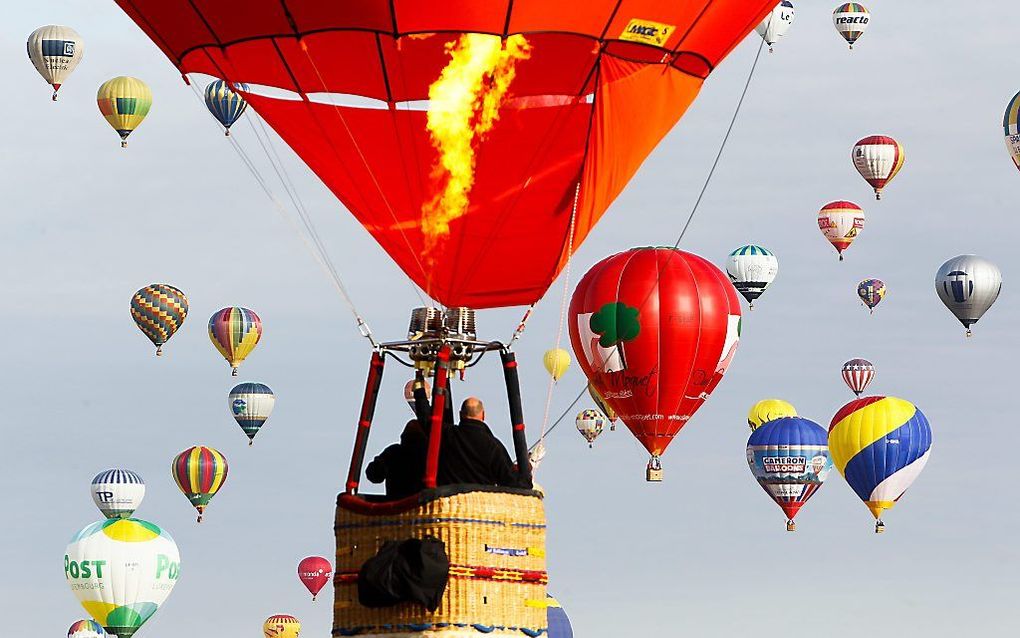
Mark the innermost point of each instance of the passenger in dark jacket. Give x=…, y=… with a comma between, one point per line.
x=401, y=465
x=470, y=453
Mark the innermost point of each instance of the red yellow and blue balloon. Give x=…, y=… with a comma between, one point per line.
x=159, y=311
x=880, y=445
x=200, y=472
x=871, y=292
x=235, y=332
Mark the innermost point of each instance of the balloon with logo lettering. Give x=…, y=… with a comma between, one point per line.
x=121, y=570
x=117, y=493
x=789, y=457
x=159, y=310
x=858, y=374
x=878, y=158
x=654, y=330
x=86, y=629
x=124, y=102
x=880, y=445
x=251, y=404
x=968, y=285
x=851, y=20
x=604, y=407
x=590, y=424
x=281, y=626
x=314, y=572
x=751, y=269
x=871, y=292
x=199, y=472
x=777, y=23
x=1011, y=129
x=841, y=222
x=767, y=410
x=225, y=105
x=235, y=332
x=556, y=362
x=55, y=51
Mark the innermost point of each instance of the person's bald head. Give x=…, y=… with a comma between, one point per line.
x=472, y=408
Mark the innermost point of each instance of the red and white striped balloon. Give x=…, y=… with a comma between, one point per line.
x=858, y=373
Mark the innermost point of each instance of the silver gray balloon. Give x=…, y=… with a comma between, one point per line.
x=968, y=285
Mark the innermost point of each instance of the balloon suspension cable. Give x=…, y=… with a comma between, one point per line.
x=521, y=326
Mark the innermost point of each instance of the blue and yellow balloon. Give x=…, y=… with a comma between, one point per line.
x=224, y=103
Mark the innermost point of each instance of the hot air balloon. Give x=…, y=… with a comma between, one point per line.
x=199, y=472
x=751, y=269
x=86, y=629
x=1011, y=129
x=583, y=92
x=879, y=445
x=841, y=222
x=968, y=285
x=556, y=362
x=55, y=51
x=777, y=23
x=558, y=624
x=122, y=570
x=768, y=410
x=590, y=424
x=159, y=310
x=871, y=292
x=789, y=457
x=281, y=626
x=225, y=105
x=851, y=20
x=858, y=374
x=878, y=158
x=634, y=317
x=314, y=572
x=235, y=332
x=251, y=404
x=118, y=493
x=603, y=407
x=124, y=102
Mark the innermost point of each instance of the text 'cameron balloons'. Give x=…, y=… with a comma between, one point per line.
x=603, y=406
x=851, y=20
x=968, y=285
x=654, y=330
x=1011, y=129
x=879, y=445
x=124, y=102
x=235, y=332
x=871, y=292
x=768, y=410
x=590, y=424
x=251, y=404
x=225, y=105
x=159, y=311
x=556, y=362
x=532, y=107
x=858, y=374
x=776, y=23
x=751, y=269
x=281, y=626
x=789, y=457
x=199, y=472
x=117, y=493
x=55, y=51
x=122, y=570
x=878, y=158
x=86, y=629
x=841, y=222
x=314, y=572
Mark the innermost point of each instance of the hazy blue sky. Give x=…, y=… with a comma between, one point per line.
x=703, y=554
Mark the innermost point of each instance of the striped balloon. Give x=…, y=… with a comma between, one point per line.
x=879, y=445
x=871, y=292
x=789, y=457
x=840, y=223
x=878, y=158
x=117, y=493
x=86, y=629
x=235, y=332
x=858, y=374
x=200, y=472
x=851, y=20
x=251, y=404
x=751, y=269
x=225, y=105
x=1011, y=129
x=124, y=102
x=159, y=311
x=281, y=626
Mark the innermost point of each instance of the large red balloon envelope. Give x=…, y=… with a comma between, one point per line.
x=314, y=572
x=654, y=330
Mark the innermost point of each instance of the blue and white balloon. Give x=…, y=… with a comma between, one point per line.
x=251, y=404
x=117, y=493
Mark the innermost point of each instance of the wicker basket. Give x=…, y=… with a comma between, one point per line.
x=496, y=544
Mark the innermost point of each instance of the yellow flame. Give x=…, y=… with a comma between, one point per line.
x=464, y=106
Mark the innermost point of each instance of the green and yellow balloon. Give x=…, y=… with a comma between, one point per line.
x=124, y=102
